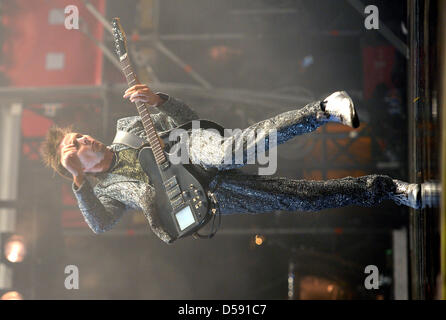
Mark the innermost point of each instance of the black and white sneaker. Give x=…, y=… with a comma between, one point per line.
x=417, y=196
x=339, y=107
x=430, y=194
x=408, y=194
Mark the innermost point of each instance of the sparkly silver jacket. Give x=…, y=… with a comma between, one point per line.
x=103, y=200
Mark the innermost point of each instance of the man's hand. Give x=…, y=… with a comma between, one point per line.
x=71, y=162
x=142, y=93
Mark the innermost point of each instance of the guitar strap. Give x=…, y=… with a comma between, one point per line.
x=129, y=139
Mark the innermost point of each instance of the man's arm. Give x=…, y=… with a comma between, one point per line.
x=177, y=109
x=102, y=213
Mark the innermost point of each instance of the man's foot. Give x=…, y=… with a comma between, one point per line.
x=430, y=194
x=408, y=194
x=415, y=195
x=338, y=107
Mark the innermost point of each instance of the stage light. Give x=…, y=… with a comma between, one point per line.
x=12, y=295
x=15, y=249
x=259, y=239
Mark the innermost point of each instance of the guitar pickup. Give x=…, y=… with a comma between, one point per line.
x=178, y=201
x=170, y=183
x=172, y=193
x=165, y=165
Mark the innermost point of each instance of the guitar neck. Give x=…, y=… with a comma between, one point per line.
x=149, y=127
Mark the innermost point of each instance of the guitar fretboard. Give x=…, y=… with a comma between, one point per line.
x=152, y=135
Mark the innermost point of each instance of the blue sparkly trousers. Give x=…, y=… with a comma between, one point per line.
x=237, y=192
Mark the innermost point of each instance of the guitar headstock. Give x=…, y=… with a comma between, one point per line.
x=120, y=39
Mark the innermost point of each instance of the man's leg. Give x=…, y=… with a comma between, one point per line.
x=211, y=152
x=241, y=193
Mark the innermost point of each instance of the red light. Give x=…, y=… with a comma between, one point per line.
x=338, y=230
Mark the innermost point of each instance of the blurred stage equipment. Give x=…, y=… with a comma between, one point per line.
x=400, y=265
x=5, y=277
x=424, y=142
x=10, y=123
x=53, y=58
x=384, y=30
x=309, y=279
x=442, y=106
x=291, y=277
x=317, y=288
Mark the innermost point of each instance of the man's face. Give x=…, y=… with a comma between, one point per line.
x=89, y=151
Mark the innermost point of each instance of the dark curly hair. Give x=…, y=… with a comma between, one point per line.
x=50, y=150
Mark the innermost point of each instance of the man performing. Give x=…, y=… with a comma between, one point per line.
x=122, y=184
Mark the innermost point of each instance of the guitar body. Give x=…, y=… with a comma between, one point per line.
x=180, y=194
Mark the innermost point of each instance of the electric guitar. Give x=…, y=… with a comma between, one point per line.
x=182, y=203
